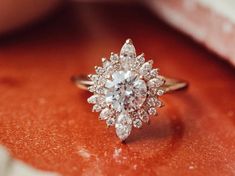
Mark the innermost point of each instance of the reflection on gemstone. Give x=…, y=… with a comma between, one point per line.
x=126, y=91
x=123, y=125
x=128, y=49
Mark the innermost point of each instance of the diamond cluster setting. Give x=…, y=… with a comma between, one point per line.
x=126, y=90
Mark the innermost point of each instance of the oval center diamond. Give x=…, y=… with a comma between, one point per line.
x=125, y=91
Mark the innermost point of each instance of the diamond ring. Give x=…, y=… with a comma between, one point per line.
x=126, y=90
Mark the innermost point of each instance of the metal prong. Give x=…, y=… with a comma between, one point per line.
x=103, y=60
x=129, y=41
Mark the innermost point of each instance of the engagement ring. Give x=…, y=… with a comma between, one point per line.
x=126, y=90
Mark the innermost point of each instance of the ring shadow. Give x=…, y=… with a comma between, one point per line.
x=170, y=125
x=167, y=126
x=173, y=129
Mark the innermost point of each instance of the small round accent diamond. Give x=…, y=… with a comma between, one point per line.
x=126, y=90
x=105, y=114
x=110, y=121
x=159, y=103
x=137, y=123
x=143, y=115
x=96, y=108
x=152, y=111
x=160, y=92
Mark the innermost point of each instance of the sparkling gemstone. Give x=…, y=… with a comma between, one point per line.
x=92, y=99
x=145, y=68
x=154, y=73
x=137, y=123
x=159, y=103
x=123, y=125
x=143, y=115
x=101, y=101
x=91, y=88
x=152, y=92
x=96, y=108
x=151, y=102
x=117, y=66
x=160, y=92
x=128, y=62
x=99, y=70
x=114, y=58
x=155, y=82
x=108, y=71
x=126, y=91
x=140, y=59
x=94, y=78
x=100, y=90
x=128, y=49
x=147, y=76
x=106, y=64
x=105, y=114
x=101, y=81
x=152, y=111
x=110, y=121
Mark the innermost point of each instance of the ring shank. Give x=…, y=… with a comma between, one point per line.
x=171, y=84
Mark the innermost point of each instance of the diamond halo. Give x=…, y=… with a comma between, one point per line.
x=126, y=90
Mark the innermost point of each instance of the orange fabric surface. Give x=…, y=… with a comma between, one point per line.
x=46, y=121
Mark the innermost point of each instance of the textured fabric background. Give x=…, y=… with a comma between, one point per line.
x=46, y=122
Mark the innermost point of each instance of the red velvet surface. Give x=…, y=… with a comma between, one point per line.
x=46, y=121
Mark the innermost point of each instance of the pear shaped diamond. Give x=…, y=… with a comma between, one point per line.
x=123, y=126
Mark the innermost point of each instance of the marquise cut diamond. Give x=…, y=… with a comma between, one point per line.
x=123, y=126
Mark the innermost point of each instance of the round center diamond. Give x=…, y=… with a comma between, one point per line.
x=125, y=91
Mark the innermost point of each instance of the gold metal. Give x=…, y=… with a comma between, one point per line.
x=171, y=84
